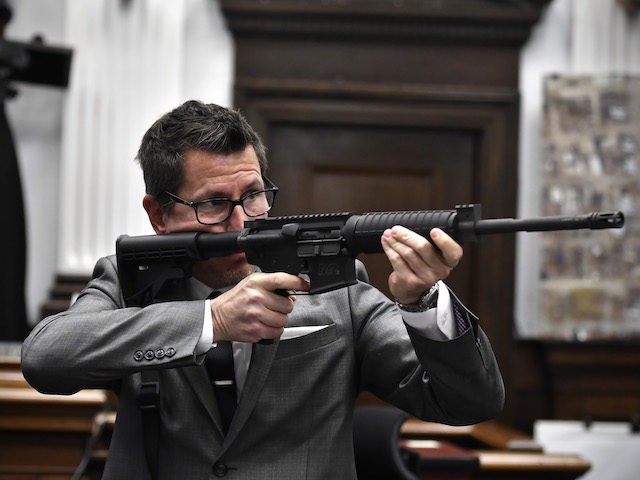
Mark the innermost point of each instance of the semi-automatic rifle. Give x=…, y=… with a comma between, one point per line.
x=322, y=246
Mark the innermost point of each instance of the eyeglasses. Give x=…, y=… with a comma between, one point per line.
x=217, y=210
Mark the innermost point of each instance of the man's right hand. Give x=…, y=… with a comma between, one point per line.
x=252, y=310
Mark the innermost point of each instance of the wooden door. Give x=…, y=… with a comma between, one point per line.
x=364, y=168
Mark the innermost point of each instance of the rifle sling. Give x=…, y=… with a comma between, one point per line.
x=149, y=403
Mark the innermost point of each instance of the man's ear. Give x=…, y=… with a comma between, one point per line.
x=155, y=212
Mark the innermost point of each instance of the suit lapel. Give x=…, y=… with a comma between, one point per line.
x=261, y=359
x=197, y=376
x=198, y=380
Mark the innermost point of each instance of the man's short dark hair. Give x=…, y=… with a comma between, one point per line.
x=192, y=125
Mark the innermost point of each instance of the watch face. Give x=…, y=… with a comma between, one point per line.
x=430, y=299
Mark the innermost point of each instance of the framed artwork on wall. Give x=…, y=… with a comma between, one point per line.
x=589, y=281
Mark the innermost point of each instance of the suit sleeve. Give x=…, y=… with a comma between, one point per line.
x=98, y=340
x=456, y=382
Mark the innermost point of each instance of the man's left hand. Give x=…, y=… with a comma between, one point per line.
x=417, y=265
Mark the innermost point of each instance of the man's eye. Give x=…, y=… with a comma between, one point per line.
x=214, y=204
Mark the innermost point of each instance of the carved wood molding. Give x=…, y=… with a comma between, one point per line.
x=463, y=51
x=451, y=20
x=268, y=87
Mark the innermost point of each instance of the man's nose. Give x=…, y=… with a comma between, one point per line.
x=237, y=219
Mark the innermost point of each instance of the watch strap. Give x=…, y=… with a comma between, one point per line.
x=426, y=302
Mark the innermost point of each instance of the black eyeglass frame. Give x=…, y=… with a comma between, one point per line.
x=231, y=202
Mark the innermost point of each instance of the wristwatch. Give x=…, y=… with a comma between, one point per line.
x=427, y=301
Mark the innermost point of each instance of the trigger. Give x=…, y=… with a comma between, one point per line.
x=284, y=292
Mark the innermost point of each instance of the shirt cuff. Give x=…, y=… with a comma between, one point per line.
x=206, y=337
x=436, y=323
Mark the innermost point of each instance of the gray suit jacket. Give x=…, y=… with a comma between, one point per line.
x=294, y=418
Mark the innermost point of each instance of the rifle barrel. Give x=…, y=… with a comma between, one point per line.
x=592, y=221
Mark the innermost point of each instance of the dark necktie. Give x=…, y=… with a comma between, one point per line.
x=219, y=364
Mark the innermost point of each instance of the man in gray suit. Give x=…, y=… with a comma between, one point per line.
x=204, y=169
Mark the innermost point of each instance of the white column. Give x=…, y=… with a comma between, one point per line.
x=605, y=38
x=129, y=68
x=545, y=53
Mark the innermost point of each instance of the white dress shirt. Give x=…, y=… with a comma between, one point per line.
x=436, y=323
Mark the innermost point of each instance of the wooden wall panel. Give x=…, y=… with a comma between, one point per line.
x=415, y=99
